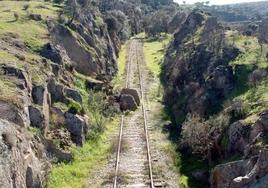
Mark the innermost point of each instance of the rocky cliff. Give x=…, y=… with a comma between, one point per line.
x=47, y=72
x=55, y=78
x=195, y=70
x=199, y=79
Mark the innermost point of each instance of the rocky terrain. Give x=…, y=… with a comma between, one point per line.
x=51, y=70
x=43, y=109
x=60, y=65
x=201, y=75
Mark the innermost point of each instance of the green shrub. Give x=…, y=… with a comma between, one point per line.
x=74, y=107
x=58, y=1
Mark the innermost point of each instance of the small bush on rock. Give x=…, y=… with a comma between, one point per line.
x=74, y=107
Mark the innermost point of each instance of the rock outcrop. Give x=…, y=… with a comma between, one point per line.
x=127, y=102
x=12, y=113
x=37, y=118
x=38, y=95
x=133, y=93
x=237, y=134
x=241, y=173
x=252, y=170
x=77, y=126
x=196, y=75
x=73, y=94
x=55, y=53
x=19, y=74
x=129, y=99
x=23, y=160
x=91, y=50
x=56, y=91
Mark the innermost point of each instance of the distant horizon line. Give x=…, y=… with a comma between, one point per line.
x=211, y=4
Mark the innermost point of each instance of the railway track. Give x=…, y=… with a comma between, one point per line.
x=133, y=165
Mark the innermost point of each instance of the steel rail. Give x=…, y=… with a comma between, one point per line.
x=145, y=124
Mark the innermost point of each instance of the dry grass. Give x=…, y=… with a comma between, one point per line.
x=35, y=34
x=8, y=91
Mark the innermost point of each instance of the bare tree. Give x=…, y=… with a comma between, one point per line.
x=195, y=132
x=203, y=136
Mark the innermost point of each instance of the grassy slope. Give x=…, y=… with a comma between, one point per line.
x=97, y=148
x=92, y=155
x=121, y=61
x=95, y=152
x=33, y=33
x=154, y=51
x=255, y=99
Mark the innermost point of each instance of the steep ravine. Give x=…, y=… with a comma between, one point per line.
x=60, y=101
x=220, y=143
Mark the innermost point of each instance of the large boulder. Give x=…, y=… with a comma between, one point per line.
x=19, y=74
x=55, y=54
x=57, y=91
x=23, y=160
x=73, y=94
x=12, y=113
x=56, y=69
x=261, y=126
x=133, y=93
x=237, y=134
x=37, y=117
x=240, y=173
x=38, y=94
x=127, y=102
x=223, y=175
x=95, y=85
x=77, y=126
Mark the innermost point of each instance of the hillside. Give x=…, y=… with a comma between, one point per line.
x=240, y=12
x=209, y=94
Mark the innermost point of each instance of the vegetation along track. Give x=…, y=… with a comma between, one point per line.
x=133, y=163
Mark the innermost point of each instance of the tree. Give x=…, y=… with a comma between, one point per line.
x=71, y=9
x=195, y=132
x=203, y=136
x=157, y=23
x=263, y=33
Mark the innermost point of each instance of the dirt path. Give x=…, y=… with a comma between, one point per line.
x=133, y=165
